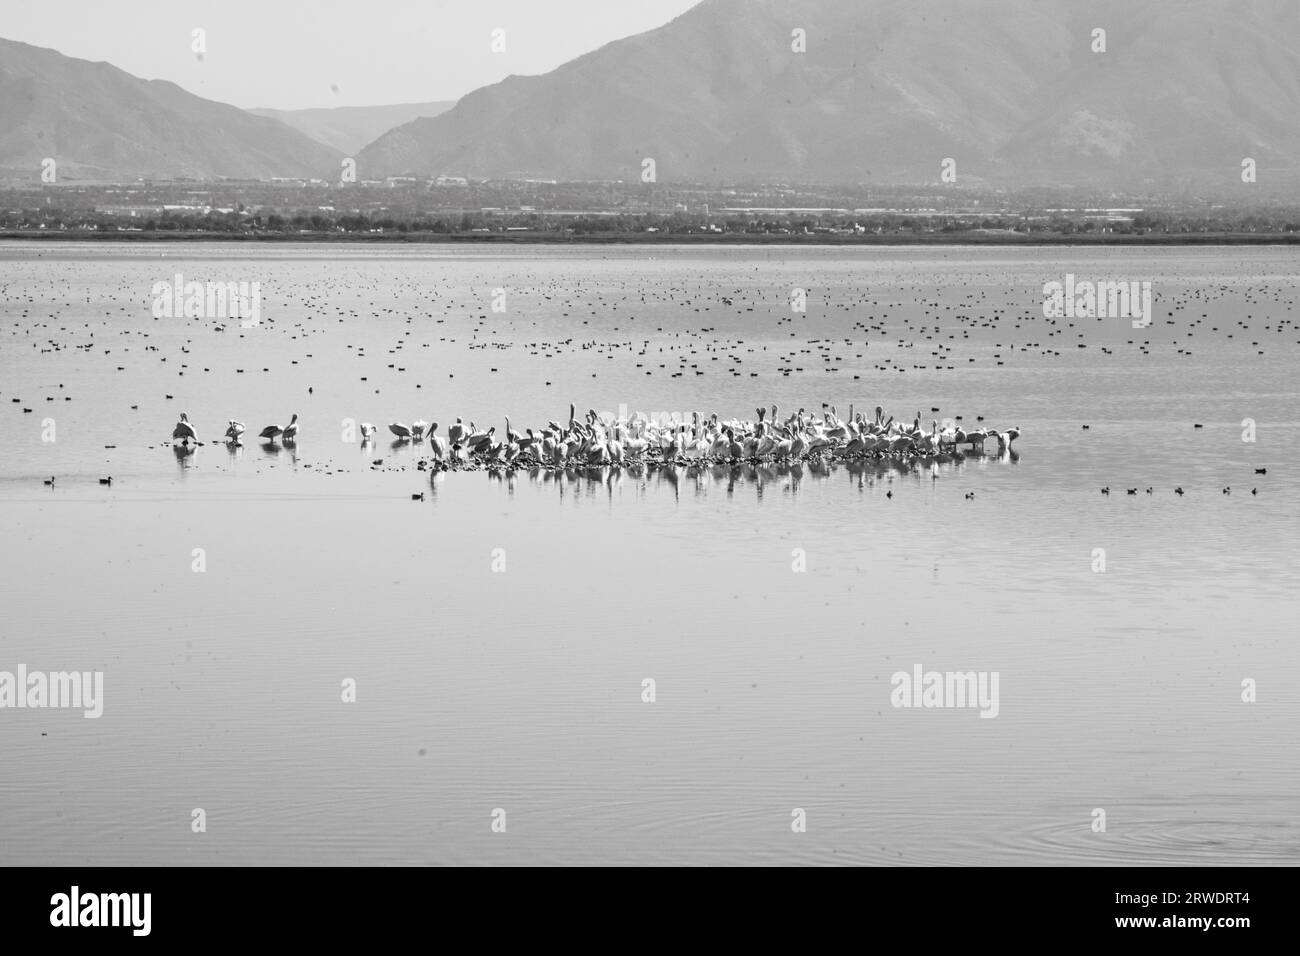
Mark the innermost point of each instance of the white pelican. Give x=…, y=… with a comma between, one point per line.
x=184, y=430
x=290, y=431
x=417, y=429
x=456, y=432
x=511, y=435
x=234, y=430
x=367, y=432
x=734, y=448
x=439, y=446
x=400, y=430
x=948, y=437
x=269, y=432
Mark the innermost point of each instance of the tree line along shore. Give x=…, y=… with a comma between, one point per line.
x=968, y=237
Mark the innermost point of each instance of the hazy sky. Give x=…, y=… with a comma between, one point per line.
x=290, y=54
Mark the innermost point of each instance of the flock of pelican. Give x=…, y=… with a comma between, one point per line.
x=184, y=433
x=599, y=440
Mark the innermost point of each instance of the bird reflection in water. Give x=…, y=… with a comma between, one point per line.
x=701, y=477
x=184, y=455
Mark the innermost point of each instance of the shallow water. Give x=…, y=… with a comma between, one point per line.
x=522, y=690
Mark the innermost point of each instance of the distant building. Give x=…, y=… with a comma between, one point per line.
x=131, y=211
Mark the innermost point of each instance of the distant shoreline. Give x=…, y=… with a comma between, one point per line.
x=638, y=238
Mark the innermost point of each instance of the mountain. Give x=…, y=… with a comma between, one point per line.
x=349, y=128
x=887, y=89
x=98, y=122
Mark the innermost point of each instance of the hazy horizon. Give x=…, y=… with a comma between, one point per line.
x=423, y=47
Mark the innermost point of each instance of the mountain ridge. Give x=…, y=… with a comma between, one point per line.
x=349, y=129
x=98, y=122
x=1009, y=89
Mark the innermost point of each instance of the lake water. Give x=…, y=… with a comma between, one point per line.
x=499, y=631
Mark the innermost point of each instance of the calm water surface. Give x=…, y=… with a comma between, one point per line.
x=522, y=690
